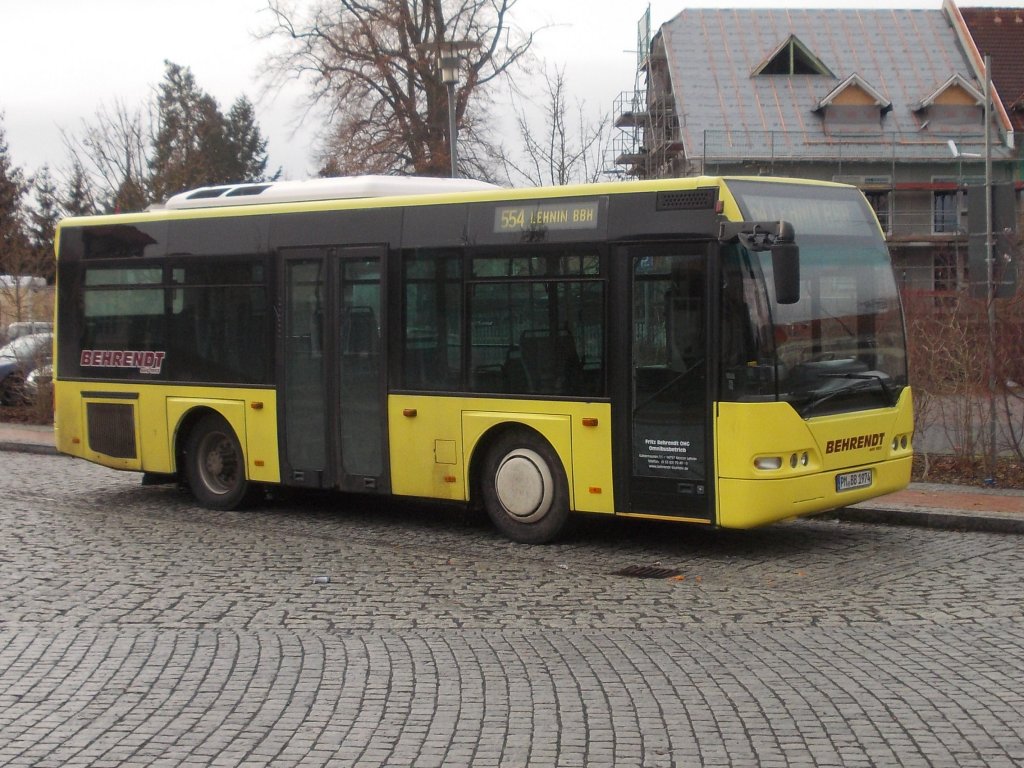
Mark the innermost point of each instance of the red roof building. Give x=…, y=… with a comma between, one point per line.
x=999, y=33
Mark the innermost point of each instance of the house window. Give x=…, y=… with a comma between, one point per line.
x=881, y=202
x=945, y=211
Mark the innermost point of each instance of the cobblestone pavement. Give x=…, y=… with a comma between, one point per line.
x=138, y=629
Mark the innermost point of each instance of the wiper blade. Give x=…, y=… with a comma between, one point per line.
x=890, y=396
x=812, y=404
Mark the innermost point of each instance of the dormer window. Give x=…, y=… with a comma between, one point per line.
x=854, y=105
x=955, y=103
x=792, y=57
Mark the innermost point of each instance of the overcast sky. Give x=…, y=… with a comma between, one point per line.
x=60, y=60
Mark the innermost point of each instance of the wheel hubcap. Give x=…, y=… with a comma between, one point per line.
x=524, y=485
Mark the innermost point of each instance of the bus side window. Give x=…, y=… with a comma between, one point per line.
x=431, y=319
x=550, y=361
x=536, y=321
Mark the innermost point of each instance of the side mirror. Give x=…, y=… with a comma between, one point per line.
x=786, y=268
x=779, y=237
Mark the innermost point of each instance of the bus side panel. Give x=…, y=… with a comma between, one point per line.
x=262, y=449
x=433, y=439
x=100, y=422
x=68, y=419
x=426, y=447
x=556, y=428
x=253, y=420
x=592, y=458
x=833, y=445
x=132, y=427
x=179, y=407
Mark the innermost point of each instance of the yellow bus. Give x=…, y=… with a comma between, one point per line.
x=725, y=352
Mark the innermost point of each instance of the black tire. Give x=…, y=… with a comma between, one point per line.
x=215, y=465
x=524, y=488
x=13, y=391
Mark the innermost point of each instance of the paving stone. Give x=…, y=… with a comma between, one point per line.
x=140, y=629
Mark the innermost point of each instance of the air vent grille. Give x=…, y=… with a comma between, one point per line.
x=688, y=199
x=112, y=429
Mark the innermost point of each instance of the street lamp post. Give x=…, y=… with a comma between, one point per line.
x=990, y=288
x=450, y=77
x=449, y=57
x=990, y=293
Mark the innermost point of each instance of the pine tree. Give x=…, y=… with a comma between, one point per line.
x=188, y=122
x=13, y=241
x=78, y=198
x=184, y=141
x=248, y=149
x=196, y=145
x=15, y=251
x=43, y=216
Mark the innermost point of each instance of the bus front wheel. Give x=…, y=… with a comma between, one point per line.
x=215, y=466
x=524, y=488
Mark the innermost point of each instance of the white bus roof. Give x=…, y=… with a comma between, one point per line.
x=320, y=189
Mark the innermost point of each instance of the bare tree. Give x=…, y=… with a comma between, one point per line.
x=561, y=146
x=114, y=151
x=124, y=159
x=373, y=71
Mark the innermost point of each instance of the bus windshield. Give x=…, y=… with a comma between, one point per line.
x=841, y=347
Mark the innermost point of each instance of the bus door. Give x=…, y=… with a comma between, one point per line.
x=669, y=440
x=360, y=395
x=333, y=403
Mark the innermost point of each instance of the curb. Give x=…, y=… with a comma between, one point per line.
x=39, y=448
x=931, y=518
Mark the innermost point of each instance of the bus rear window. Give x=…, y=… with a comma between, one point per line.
x=211, y=322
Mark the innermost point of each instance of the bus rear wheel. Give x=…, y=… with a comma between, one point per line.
x=524, y=488
x=215, y=465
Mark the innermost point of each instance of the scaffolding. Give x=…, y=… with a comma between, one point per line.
x=647, y=143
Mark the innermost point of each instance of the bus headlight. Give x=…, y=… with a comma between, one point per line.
x=768, y=462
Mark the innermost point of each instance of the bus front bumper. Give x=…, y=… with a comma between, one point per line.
x=744, y=503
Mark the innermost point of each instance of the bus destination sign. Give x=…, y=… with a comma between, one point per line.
x=532, y=217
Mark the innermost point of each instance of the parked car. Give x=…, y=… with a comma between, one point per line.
x=24, y=328
x=17, y=361
x=39, y=382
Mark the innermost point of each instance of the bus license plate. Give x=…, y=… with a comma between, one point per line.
x=850, y=481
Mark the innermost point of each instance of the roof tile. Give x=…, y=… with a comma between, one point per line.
x=999, y=33
x=904, y=54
